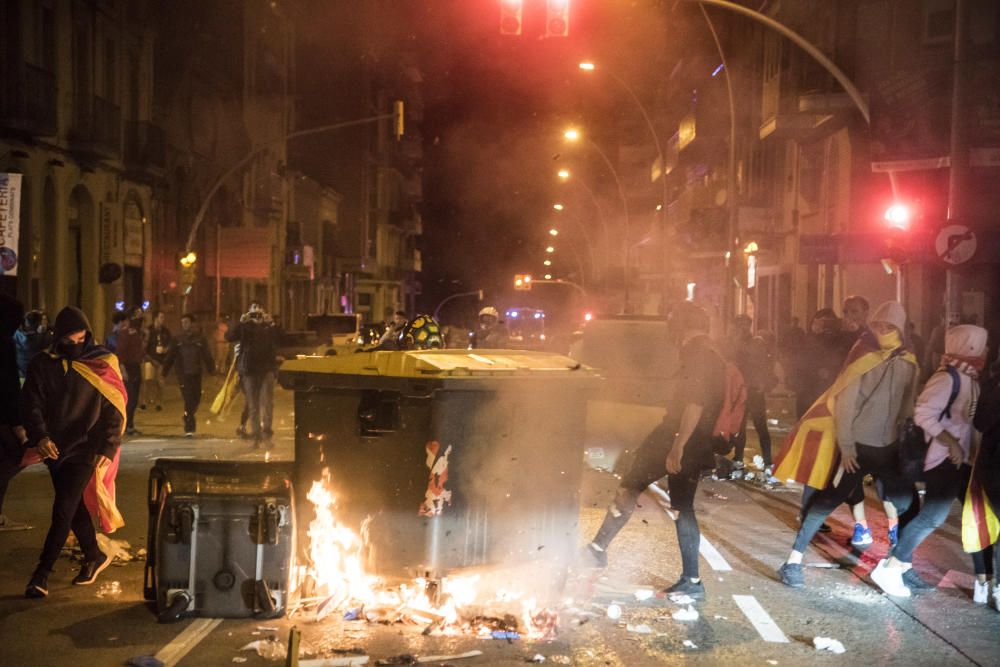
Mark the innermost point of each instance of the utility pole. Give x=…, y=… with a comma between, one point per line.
x=959, y=149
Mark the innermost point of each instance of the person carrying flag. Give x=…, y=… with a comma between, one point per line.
x=850, y=431
x=73, y=407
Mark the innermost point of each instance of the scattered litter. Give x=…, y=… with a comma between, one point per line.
x=116, y=550
x=141, y=553
x=109, y=588
x=269, y=649
x=266, y=628
x=444, y=658
x=352, y=614
x=144, y=661
x=758, y=462
x=614, y=612
x=826, y=566
x=505, y=634
x=689, y=614
x=772, y=422
x=721, y=618
x=344, y=661
x=772, y=662
x=828, y=644
x=749, y=476
x=641, y=629
x=644, y=594
x=561, y=659
x=689, y=644
x=239, y=658
x=681, y=599
x=719, y=496
x=538, y=657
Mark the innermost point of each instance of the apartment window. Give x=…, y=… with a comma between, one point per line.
x=938, y=21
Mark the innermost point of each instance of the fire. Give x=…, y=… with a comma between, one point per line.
x=452, y=606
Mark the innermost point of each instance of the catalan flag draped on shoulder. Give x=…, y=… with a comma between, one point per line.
x=980, y=524
x=810, y=454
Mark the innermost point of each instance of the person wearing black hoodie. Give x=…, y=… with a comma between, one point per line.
x=76, y=430
x=189, y=351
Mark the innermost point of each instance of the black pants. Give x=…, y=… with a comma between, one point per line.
x=69, y=478
x=259, y=392
x=133, y=383
x=649, y=466
x=879, y=462
x=191, y=393
x=8, y=470
x=756, y=411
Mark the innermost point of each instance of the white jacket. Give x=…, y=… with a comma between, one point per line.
x=931, y=403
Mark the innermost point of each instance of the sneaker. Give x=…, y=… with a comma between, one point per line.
x=38, y=587
x=593, y=556
x=684, y=586
x=862, y=538
x=893, y=537
x=90, y=570
x=791, y=575
x=915, y=582
x=8, y=524
x=996, y=597
x=890, y=580
x=981, y=592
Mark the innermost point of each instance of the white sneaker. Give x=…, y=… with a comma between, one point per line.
x=890, y=580
x=996, y=597
x=8, y=524
x=981, y=592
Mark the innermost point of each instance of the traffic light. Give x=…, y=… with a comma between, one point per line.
x=397, y=119
x=898, y=216
x=511, y=13
x=522, y=281
x=557, y=18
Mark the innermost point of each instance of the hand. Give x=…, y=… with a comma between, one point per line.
x=850, y=463
x=20, y=434
x=955, y=453
x=47, y=449
x=674, y=460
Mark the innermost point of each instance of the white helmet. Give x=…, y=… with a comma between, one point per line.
x=489, y=310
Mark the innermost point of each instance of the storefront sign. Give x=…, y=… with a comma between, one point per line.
x=10, y=222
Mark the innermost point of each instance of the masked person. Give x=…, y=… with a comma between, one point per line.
x=257, y=364
x=680, y=448
x=73, y=406
x=190, y=353
x=491, y=334
x=850, y=431
x=944, y=410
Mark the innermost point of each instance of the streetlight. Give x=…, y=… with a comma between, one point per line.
x=548, y=276
x=558, y=207
x=571, y=134
x=550, y=249
x=563, y=174
x=553, y=232
x=547, y=262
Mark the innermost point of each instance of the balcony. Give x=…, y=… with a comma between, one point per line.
x=28, y=103
x=145, y=148
x=97, y=126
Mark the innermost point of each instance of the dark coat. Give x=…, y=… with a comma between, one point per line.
x=987, y=421
x=160, y=338
x=29, y=343
x=189, y=351
x=258, y=339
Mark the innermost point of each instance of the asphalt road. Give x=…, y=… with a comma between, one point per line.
x=749, y=616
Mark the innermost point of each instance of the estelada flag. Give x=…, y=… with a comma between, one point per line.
x=809, y=455
x=980, y=526
x=100, y=368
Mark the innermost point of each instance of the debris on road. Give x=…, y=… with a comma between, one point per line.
x=445, y=658
x=689, y=614
x=109, y=588
x=828, y=644
x=239, y=658
x=614, y=612
x=681, y=599
x=689, y=644
x=537, y=658
x=758, y=462
x=644, y=594
x=144, y=661
x=505, y=634
x=343, y=661
x=640, y=629
x=269, y=649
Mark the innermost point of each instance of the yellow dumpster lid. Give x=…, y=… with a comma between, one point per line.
x=440, y=363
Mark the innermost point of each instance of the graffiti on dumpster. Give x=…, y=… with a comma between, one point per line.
x=437, y=495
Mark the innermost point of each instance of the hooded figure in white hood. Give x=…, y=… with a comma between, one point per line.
x=944, y=411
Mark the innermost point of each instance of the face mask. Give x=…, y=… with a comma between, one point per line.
x=69, y=349
x=889, y=341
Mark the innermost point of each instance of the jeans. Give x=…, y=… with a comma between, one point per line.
x=191, y=393
x=648, y=467
x=880, y=462
x=69, y=478
x=756, y=410
x=259, y=392
x=133, y=383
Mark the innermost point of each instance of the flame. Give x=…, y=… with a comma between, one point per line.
x=337, y=567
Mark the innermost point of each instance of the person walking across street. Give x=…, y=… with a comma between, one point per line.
x=944, y=410
x=131, y=352
x=73, y=406
x=257, y=363
x=190, y=354
x=158, y=341
x=680, y=448
x=851, y=430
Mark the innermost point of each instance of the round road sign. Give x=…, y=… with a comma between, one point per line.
x=955, y=244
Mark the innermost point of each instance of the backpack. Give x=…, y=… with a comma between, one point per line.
x=913, y=442
x=730, y=419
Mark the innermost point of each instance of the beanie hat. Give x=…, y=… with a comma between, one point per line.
x=70, y=320
x=965, y=340
x=891, y=312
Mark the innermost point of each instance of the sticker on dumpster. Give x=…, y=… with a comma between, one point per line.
x=437, y=495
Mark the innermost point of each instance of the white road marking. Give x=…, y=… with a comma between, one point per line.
x=712, y=555
x=190, y=637
x=765, y=625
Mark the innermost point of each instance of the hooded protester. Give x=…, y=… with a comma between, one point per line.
x=850, y=431
x=31, y=337
x=257, y=363
x=73, y=405
x=980, y=522
x=944, y=410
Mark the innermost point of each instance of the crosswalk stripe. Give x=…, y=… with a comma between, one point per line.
x=712, y=555
x=190, y=637
x=761, y=620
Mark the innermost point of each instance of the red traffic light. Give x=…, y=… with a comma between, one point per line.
x=898, y=215
x=511, y=13
x=557, y=18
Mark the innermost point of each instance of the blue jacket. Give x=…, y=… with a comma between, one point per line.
x=28, y=344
